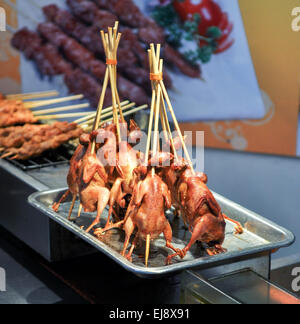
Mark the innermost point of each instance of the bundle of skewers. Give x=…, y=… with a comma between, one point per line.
x=139, y=187
x=22, y=136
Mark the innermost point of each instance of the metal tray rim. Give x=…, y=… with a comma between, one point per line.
x=178, y=267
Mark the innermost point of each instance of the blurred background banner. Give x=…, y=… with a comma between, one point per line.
x=10, y=75
x=246, y=96
x=227, y=88
x=275, y=50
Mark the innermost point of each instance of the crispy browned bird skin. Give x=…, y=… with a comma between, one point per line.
x=150, y=199
x=73, y=175
x=198, y=208
x=126, y=160
x=93, y=186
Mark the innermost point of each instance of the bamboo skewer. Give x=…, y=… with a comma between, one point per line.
x=87, y=128
x=123, y=104
x=108, y=114
x=152, y=110
x=42, y=103
x=169, y=129
x=160, y=94
x=90, y=120
x=177, y=126
x=33, y=95
x=110, y=42
x=62, y=116
x=128, y=113
x=54, y=110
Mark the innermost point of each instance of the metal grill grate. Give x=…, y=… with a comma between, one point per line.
x=51, y=158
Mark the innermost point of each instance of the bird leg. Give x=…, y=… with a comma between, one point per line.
x=238, y=228
x=134, y=243
x=168, y=237
x=215, y=250
x=128, y=228
x=56, y=205
x=72, y=206
x=103, y=199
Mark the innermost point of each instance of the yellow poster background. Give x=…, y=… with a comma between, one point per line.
x=10, y=78
x=275, y=49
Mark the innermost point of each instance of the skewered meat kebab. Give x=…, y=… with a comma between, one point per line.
x=21, y=116
x=148, y=32
x=89, y=37
x=16, y=136
x=30, y=95
x=88, y=12
x=39, y=144
x=15, y=112
x=76, y=80
x=83, y=58
x=93, y=176
x=46, y=56
x=7, y=106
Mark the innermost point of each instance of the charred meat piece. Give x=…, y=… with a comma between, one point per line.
x=46, y=56
x=126, y=10
x=7, y=106
x=17, y=136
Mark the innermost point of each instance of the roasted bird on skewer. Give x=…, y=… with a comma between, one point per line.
x=150, y=200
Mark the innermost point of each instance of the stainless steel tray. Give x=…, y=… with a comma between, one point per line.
x=261, y=235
